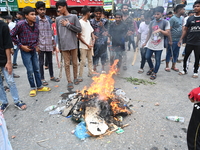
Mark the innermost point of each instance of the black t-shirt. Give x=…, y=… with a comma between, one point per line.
x=193, y=24
x=5, y=42
x=118, y=33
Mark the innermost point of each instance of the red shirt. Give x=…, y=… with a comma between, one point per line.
x=54, y=28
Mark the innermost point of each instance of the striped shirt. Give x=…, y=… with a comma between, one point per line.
x=45, y=35
x=27, y=35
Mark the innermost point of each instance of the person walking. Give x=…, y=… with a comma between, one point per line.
x=158, y=28
x=26, y=35
x=176, y=24
x=142, y=35
x=67, y=27
x=118, y=42
x=100, y=31
x=6, y=68
x=128, y=21
x=193, y=41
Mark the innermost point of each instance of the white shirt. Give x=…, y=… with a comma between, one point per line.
x=143, y=30
x=11, y=25
x=86, y=33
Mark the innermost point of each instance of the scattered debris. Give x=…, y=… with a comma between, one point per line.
x=157, y=104
x=56, y=86
x=137, y=81
x=175, y=118
x=52, y=107
x=81, y=131
x=38, y=143
x=13, y=137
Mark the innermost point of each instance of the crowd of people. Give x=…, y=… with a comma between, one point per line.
x=90, y=37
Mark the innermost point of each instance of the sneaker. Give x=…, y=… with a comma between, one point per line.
x=4, y=107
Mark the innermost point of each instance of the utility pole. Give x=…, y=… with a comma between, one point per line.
x=7, y=6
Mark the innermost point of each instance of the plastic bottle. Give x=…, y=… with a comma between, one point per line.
x=175, y=118
x=120, y=92
x=57, y=110
x=52, y=107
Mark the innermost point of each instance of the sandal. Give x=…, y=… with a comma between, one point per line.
x=175, y=69
x=150, y=72
x=167, y=69
x=70, y=85
x=153, y=76
x=76, y=82
x=80, y=79
x=140, y=71
x=44, y=83
x=182, y=73
x=32, y=93
x=55, y=79
x=195, y=75
x=44, y=89
x=20, y=105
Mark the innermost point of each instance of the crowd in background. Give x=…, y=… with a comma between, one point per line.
x=99, y=38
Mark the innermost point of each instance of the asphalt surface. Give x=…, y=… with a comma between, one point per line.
x=148, y=130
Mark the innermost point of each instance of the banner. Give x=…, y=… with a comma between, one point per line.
x=189, y=5
x=79, y=3
x=12, y=5
x=24, y=3
x=107, y=4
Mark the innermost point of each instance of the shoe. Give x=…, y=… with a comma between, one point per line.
x=124, y=68
x=15, y=65
x=15, y=75
x=3, y=107
x=195, y=75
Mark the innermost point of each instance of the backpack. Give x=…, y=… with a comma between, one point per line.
x=164, y=24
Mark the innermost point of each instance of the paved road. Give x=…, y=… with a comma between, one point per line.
x=148, y=127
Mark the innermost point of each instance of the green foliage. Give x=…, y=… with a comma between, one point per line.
x=137, y=81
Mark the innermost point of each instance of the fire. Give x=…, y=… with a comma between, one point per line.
x=102, y=85
x=117, y=109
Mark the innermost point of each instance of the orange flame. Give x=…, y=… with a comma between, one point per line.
x=103, y=84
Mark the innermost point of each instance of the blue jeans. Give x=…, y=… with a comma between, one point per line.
x=15, y=55
x=11, y=83
x=143, y=57
x=173, y=51
x=158, y=54
x=30, y=61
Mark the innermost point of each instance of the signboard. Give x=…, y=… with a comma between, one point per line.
x=24, y=3
x=79, y=3
x=189, y=5
x=12, y=5
x=107, y=4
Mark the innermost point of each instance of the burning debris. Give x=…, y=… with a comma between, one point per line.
x=101, y=106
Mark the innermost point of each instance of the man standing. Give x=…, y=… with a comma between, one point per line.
x=87, y=40
x=193, y=40
x=142, y=35
x=118, y=31
x=128, y=21
x=100, y=31
x=176, y=24
x=46, y=42
x=67, y=26
x=158, y=28
x=25, y=35
x=6, y=68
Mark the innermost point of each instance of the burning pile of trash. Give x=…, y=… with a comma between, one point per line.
x=99, y=109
